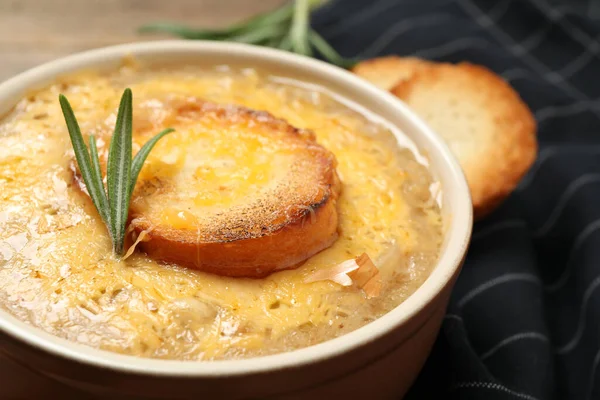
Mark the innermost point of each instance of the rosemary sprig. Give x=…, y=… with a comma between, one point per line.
x=121, y=172
x=299, y=28
x=286, y=28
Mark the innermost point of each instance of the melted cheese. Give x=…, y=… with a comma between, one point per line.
x=56, y=267
x=219, y=165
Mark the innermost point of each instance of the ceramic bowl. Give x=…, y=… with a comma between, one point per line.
x=380, y=360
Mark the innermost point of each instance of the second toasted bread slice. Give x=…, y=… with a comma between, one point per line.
x=483, y=120
x=233, y=191
x=387, y=72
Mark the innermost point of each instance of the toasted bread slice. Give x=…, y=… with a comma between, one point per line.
x=387, y=72
x=232, y=191
x=483, y=120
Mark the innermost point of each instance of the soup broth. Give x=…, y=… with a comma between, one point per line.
x=57, y=271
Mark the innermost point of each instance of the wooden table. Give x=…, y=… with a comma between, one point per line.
x=35, y=31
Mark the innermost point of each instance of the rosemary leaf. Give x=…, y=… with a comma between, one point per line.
x=97, y=175
x=273, y=42
x=94, y=186
x=286, y=43
x=140, y=157
x=260, y=35
x=327, y=51
x=119, y=172
x=286, y=28
x=186, y=32
x=299, y=28
x=280, y=15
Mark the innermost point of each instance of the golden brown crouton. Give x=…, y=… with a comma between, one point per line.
x=483, y=120
x=232, y=191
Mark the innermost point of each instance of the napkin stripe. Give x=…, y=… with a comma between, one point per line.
x=485, y=22
x=547, y=153
x=396, y=31
x=572, y=190
x=578, y=243
x=514, y=74
x=498, y=227
x=366, y=15
x=493, y=386
x=512, y=339
x=574, y=341
x=536, y=39
x=551, y=112
x=576, y=34
x=499, y=10
x=448, y=49
x=593, y=379
x=507, y=278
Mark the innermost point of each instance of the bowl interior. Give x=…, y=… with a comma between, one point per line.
x=382, y=106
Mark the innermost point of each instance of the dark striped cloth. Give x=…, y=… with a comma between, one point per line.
x=524, y=320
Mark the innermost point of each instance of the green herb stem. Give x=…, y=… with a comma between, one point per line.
x=260, y=35
x=280, y=15
x=286, y=43
x=121, y=172
x=298, y=31
x=82, y=156
x=97, y=180
x=142, y=155
x=286, y=28
x=327, y=51
x=185, y=32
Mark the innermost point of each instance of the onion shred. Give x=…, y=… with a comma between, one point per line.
x=360, y=272
x=141, y=238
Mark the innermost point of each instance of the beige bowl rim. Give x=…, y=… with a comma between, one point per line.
x=456, y=188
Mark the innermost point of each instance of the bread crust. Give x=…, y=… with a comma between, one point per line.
x=388, y=71
x=277, y=229
x=491, y=130
x=288, y=247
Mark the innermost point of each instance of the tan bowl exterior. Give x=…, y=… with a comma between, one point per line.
x=380, y=360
